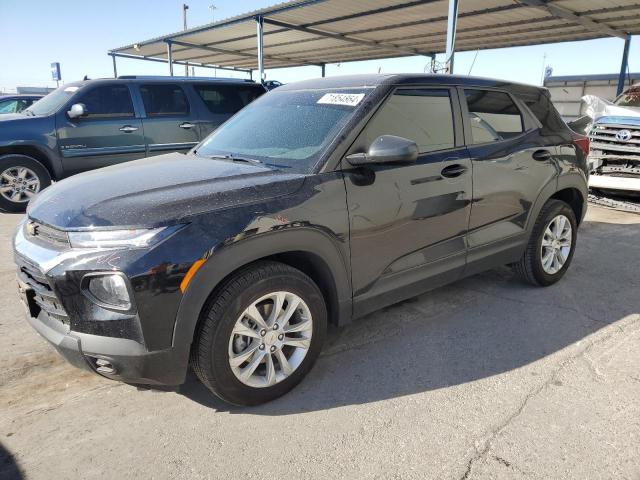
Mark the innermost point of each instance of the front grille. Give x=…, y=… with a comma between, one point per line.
x=46, y=234
x=603, y=138
x=41, y=297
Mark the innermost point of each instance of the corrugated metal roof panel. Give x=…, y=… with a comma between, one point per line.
x=373, y=29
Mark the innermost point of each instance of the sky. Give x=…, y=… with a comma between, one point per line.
x=78, y=34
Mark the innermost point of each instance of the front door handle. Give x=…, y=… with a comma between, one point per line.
x=128, y=129
x=186, y=125
x=541, y=155
x=453, y=171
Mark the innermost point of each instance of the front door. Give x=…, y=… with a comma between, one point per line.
x=109, y=132
x=170, y=124
x=408, y=222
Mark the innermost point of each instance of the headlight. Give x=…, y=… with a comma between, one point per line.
x=109, y=289
x=139, y=237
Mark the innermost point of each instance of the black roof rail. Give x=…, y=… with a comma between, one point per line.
x=166, y=78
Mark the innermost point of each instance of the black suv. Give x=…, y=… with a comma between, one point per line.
x=95, y=123
x=320, y=202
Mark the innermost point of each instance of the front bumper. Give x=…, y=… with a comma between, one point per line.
x=126, y=359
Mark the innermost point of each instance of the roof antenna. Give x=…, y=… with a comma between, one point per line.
x=474, y=62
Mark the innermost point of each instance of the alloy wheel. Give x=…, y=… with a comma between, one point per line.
x=19, y=184
x=270, y=339
x=556, y=244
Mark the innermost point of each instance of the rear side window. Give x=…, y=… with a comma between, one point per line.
x=227, y=98
x=422, y=115
x=107, y=101
x=164, y=100
x=493, y=116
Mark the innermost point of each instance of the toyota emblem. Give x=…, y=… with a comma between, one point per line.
x=623, y=135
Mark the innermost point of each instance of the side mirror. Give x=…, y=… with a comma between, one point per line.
x=386, y=149
x=77, y=110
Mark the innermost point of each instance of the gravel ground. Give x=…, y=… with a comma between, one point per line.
x=485, y=378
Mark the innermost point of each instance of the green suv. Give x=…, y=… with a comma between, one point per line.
x=95, y=123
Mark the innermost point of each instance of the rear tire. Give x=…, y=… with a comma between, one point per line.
x=249, y=358
x=556, y=227
x=21, y=178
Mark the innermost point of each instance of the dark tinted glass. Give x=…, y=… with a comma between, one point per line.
x=422, y=115
x=164, y=99
x=493, y=116
x=227, y=98
x=544, y=111
x=108, y=101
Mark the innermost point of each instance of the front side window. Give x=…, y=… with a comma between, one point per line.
x=8, y=106
x=286, y=128
x=493, y=116
x=227, y=99
x=422, y=115
x=164, y=100
x=107, y=101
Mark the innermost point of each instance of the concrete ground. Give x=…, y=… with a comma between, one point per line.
x=485, y=378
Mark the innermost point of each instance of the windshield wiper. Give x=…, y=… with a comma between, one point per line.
x=235, y=159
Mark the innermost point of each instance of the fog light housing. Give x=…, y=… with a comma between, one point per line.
x=109, y=289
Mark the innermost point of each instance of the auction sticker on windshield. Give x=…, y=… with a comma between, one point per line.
x=348, y=99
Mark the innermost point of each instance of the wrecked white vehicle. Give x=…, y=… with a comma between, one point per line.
x=614, y=132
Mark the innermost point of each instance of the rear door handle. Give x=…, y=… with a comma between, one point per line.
x=453, y=171
x=186, y=125
x=541, y=155
x=128, y=129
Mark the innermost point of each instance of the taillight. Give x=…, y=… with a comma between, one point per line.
x=581, y=141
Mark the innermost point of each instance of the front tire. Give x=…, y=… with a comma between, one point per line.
x=21, y=178
x=551, y=245
x=260, y=334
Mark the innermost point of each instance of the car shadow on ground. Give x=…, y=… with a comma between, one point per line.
x=478, y=327
x=8, y=467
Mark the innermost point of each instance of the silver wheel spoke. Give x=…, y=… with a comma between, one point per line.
x=9, y=177
x=271, y=371
x=297, y=342
x=15, y=196
x=29, y=193
x=247, y=371
x=6, y=188
x=242, y=329
x=253, y=313
x=299, y=327
x=244, y=356
x=284, y=363
x=22, y=173
x=278, y=301
x=291, y=308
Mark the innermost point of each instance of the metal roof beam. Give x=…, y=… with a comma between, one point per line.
x=162, y=60
x=226, y=51
x=344, y=38
x=566, y=14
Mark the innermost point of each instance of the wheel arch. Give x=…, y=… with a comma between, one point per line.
x=309, y=250
x=37, y=154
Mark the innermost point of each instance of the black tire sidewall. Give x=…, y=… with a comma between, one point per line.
x=227, y=385
x=557, y=208
x=16, y=160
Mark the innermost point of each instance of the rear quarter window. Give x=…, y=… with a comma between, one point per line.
x=227, y=99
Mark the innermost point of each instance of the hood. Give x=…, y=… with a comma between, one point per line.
x=157, y=191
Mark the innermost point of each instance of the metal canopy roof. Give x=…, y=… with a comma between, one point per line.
x=315, y=32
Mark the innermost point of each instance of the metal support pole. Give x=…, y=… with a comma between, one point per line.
x=185, y=7
x=259, y=33
x=170, y=58
x=250, y=74
x=452, y=25
x=115, y=68
x=624, y=64
x=322, y=66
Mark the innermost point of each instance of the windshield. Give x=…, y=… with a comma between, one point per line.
x=630, y=98
x=287, y=129
x=53, y=101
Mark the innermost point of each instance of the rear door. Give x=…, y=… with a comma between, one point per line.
x=408, y=222
x=170, y=123
x=510, y=167
x=109, y=133
x=221, y=101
